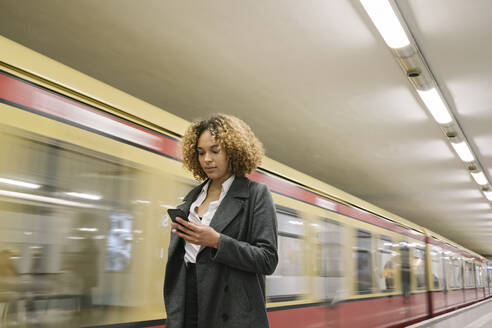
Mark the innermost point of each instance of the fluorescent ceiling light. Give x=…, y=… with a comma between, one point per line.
x=84, y=196
x=88, y=229
x=43, y=199
x=488, y=194
x=388, y=25
x=436, y=106
x=20, y=183
x=480, y=178
x=463, y=151
x=138, y=201
x=121, y=230
x=295, y=222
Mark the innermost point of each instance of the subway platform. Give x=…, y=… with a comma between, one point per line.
x=478, y=315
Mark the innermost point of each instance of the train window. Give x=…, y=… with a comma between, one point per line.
x=479, y=275
x=287, y=282
x=363, y=259
x=331, y=249
x=448, y=268
x=87, y=235
x=386, y=264
x=458, y=272
x=436, y=266
x=405, y=268
x=419, y=267
x=469, y=277
x=451, y=272
x=330, y=280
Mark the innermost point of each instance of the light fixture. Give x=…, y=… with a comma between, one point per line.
x=295, y=222
x=84, y=196
x=479, y=178
x=20, y=183
x=43, y=199
x=387, y=23
x=138, y=201
x=88, y=229
x=435, y=105
x=463, y=151
x=488, y=194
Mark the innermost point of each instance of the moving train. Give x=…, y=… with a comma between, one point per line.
x=86, y=176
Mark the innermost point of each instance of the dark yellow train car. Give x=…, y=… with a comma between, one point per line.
x=86, y=176
x=456, y=276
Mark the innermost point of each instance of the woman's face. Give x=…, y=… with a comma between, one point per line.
x=212, y=157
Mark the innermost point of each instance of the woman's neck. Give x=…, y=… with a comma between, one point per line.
x=216, y=184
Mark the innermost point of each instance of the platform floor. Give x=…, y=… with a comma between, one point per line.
x=478, y=315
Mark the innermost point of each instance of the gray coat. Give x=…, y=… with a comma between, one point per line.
x=231, y=278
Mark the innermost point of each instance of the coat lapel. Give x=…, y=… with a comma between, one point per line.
x=185, y=206
x=225, y=214
x=231, y=204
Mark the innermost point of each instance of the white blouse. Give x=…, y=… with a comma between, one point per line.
x=191, y=250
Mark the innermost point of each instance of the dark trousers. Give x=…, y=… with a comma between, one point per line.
x=191, y=299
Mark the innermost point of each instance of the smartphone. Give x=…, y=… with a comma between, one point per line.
x=176, y=212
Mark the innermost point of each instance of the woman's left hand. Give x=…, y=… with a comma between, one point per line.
x=196, y=233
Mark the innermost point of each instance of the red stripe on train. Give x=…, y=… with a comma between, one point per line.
x=434, y=241
x=389, y=312
x=288, y=189
x=46, y=102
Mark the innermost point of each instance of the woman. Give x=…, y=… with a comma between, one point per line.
x=217, y=261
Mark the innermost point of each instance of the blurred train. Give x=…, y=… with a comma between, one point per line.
x=87, y=172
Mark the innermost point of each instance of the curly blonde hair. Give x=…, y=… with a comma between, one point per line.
x=242, y=147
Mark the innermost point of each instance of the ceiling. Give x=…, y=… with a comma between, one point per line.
x=314, y=79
